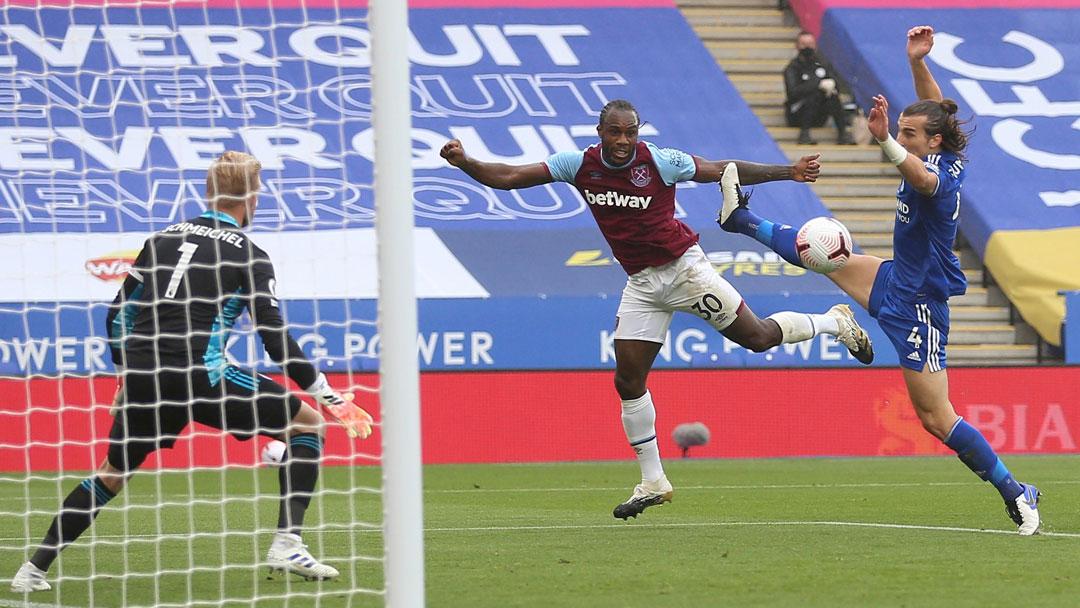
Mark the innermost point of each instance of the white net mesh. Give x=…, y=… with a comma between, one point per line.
x=109, y=119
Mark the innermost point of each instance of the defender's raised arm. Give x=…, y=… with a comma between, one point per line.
x=911, y=167
x=920, y=39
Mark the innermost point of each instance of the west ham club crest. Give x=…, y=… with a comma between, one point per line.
x=639, y=176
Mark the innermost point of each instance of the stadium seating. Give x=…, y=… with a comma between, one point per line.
x=510, y=280
x=751, y=40
x=1015, y=67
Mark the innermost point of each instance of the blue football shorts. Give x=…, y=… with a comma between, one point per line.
x=919, y=331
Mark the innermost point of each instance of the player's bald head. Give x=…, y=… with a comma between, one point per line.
x=232, y=178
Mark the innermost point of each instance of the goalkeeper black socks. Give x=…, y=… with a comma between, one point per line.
x=298, y=476
x=80, y=508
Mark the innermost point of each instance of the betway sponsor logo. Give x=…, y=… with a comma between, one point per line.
x=614, y=199
x=111, y=266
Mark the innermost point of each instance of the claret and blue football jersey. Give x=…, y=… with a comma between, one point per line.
x=634, y=205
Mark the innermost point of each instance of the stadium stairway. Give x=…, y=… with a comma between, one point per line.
x=752, y=41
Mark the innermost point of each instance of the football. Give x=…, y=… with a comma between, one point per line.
x=823, y=244
x=273, y=453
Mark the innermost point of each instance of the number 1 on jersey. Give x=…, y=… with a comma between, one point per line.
x=187, y=251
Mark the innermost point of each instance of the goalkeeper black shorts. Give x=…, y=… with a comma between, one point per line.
x=158, y=406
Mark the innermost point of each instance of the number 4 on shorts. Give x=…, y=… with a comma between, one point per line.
x=915, y=338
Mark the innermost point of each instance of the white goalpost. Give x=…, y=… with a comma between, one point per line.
x=403, y=496
x=110, y=115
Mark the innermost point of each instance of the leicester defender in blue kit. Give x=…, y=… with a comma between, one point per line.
x=909, y=294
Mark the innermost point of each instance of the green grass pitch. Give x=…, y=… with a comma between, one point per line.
x=810, y=532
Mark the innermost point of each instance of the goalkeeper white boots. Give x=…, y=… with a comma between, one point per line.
x=29, y=578
x=288, y=553
x=646, y=494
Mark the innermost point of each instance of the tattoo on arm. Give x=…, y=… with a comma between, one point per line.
x=757, y=173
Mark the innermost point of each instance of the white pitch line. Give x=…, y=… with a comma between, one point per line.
x=719, y=524
x=779, y=486
x=29, y=604
x=640, y=526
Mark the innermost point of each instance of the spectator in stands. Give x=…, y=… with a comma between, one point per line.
x=812, y=95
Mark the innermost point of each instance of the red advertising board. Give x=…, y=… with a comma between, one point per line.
x=51, y=424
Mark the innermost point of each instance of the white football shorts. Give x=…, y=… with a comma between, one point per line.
x=688, y=284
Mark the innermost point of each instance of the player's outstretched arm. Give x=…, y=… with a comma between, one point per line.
x=807, y=169
x=118, y=320
x=340, y=406
x=920, y=39
x=911, y=167
x=495, y=175
x=120, y=317
x=284, y=350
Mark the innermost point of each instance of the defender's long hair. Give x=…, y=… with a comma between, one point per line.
x=941, y=120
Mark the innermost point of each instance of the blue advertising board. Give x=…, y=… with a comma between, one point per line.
x=1016, y=73
x=110, y=117
x=1016, y=76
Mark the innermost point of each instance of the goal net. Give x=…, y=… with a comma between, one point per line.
x=110, y=115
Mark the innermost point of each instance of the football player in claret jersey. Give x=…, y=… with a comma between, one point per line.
x=909, y=295
x=168, y=326
x=629, y=186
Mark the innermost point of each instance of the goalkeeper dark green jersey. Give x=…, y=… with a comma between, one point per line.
x=185, y=291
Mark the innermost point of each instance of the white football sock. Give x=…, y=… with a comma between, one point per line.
x=639, y=422
x=824, y=324
x=285, y=539
x=797, y=326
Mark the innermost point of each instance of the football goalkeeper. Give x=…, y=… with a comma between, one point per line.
x=168, y=328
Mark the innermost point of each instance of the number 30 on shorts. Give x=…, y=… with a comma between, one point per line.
x=708, y=306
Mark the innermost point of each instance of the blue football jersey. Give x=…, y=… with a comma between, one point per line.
x=925, y=266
